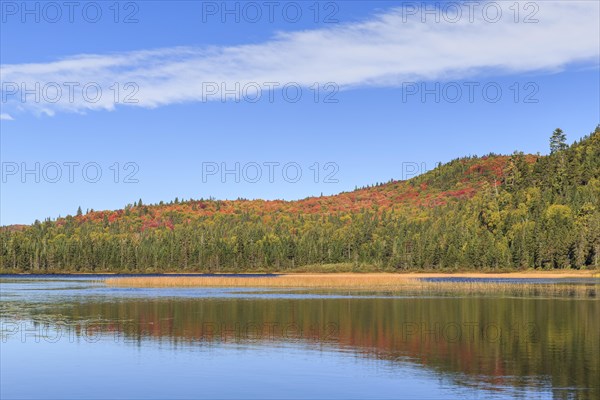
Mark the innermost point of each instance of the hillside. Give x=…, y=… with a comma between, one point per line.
x=493, y=212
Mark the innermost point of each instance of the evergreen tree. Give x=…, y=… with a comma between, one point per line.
x=558, y=141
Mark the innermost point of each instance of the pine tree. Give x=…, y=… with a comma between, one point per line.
x=558, y=141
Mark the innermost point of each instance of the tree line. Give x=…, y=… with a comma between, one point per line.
x=534, y=212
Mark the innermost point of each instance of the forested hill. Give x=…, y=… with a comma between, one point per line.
x=493, y=212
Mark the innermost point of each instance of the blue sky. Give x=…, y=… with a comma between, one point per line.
x=373, y=59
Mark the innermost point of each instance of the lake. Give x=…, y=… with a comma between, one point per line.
x=73, y=337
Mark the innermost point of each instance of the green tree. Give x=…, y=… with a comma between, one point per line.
x=558, y=141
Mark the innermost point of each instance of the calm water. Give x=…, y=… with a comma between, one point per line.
x=73, y=337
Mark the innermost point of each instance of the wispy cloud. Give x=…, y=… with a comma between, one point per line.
x=384, y=50
x=5, y=117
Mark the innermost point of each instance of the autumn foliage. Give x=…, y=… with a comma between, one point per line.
x=494, y=212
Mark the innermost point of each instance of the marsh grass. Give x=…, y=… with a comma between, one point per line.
x=366, y=282
x=276, y=281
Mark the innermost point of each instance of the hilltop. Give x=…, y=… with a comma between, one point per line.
x=459, y=179
x=493, y=212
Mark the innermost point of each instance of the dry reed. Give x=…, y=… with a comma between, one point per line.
x=275, y=281
x=366, y=282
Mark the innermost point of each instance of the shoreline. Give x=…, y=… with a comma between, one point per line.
x=532, y=274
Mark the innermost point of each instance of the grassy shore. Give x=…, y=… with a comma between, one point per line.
x=364, y=270
x=529, y=274
x=411, y=283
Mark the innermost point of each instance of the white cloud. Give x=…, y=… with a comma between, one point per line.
x=5, y=117
x=385, y=50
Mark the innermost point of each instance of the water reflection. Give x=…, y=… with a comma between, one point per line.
x=485, y=343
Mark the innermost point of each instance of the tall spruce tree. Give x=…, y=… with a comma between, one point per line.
x=558, y=141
